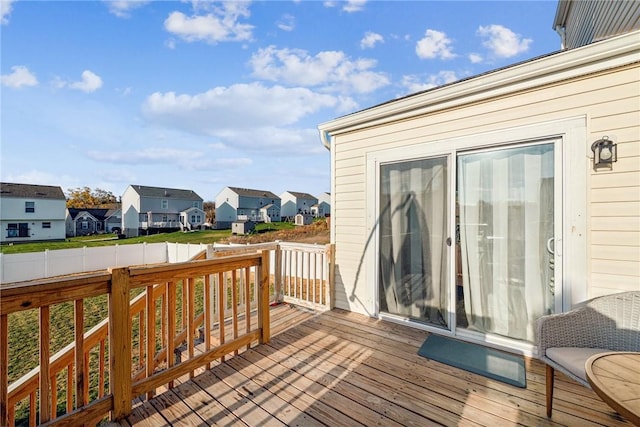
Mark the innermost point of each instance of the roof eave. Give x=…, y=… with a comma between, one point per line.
x=613, y=52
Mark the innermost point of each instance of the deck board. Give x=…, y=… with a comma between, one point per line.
x=342, y=368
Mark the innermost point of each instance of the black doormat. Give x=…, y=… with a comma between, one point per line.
x=475, y=358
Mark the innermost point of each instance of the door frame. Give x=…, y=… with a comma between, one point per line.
x=572, y=169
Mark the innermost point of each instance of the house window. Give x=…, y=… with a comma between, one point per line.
x=196, y=204
x=18, y=230
x=29, y=206
x=164, y=204
x=46, y=225
x=84, y=225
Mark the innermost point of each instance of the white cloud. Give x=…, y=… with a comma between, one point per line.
x=90, y=82
x=502, y=42
x=287, y=22
x=123, y=8
x=38, y=177
x=348, y=6
x=186, y=159
x=415, y=83
x=5, y=10
x=354, y=5
x=240, y=105
x=331, y=70
x=219, y=24
x=475, y=58
x=370, y=39
x=20, y=77
x=434, y=44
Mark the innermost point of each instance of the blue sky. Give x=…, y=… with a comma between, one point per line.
x=202, y=95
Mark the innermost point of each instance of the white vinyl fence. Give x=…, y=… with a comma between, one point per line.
x=39, y=265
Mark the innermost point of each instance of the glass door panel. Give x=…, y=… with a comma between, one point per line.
x=413, y=240
x=505, y=204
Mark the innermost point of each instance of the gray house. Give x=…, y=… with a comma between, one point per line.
x=83, y=221
x=233, y=204
x=151, y=210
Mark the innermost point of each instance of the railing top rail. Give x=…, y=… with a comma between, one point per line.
x=140, y=276
x=30, y=294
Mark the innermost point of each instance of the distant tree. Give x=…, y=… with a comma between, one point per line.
x=210, y=211
x=87, y=198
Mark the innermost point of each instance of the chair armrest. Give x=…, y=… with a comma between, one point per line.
x=572, y=329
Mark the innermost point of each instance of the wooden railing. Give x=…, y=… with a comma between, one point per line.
x=198, y=312
x=301, y=274
x=183, y=309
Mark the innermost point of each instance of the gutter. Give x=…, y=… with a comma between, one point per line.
x=325, y=138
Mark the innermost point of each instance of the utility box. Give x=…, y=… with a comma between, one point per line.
x=243, y=227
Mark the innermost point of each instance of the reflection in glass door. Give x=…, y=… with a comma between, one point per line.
x=505, y=203
x=413, y=227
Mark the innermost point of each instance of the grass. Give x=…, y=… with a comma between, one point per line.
x=200, y=236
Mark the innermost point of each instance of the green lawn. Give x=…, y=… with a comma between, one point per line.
x=201, y=236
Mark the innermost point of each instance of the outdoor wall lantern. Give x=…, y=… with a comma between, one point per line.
x=604, y=153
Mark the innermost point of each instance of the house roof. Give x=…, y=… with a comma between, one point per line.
x=98, y=213
x=31, y=191
x=169, y=193
x=298, y=195
x=253, y=193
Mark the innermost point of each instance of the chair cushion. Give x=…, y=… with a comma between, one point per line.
x=573, y=358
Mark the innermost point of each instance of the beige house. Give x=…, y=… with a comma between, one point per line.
x=472, y=209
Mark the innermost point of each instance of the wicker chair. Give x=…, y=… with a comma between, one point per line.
x=567, y=340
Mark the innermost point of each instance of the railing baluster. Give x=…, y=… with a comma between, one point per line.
x=54, y=395
x=4, y=370
x=190, y=283
x=278, y=274
x=171, y=326
x=70, y=387
x=101, y=367
x=33, y=409
x=207, y=315
x=234, y=305
x=151, y=334
x=309, y=288
x=221, y=308
x=87, y=384
x=247, y=301
x=45, y=392
x=80, y=374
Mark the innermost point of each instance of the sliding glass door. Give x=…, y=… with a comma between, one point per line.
x=505, y=200
x=413, y=240
x=470, y=247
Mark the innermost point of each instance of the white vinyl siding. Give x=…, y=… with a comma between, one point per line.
x=607, y=99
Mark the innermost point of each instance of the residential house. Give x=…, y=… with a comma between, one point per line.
x=150, y=210
x=294, y=203
x=80, y=222
x=323, y=207
x=30, y=213
x=491, y=201
x=233, y=204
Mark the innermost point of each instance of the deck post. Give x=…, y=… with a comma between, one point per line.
x=120, y=343
x=263, y=299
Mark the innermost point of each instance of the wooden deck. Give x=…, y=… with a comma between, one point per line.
x=344, y=369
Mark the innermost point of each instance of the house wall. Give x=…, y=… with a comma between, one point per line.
x=607, y=99
x=588, y=21
x=53, y=211
x=130, y=208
